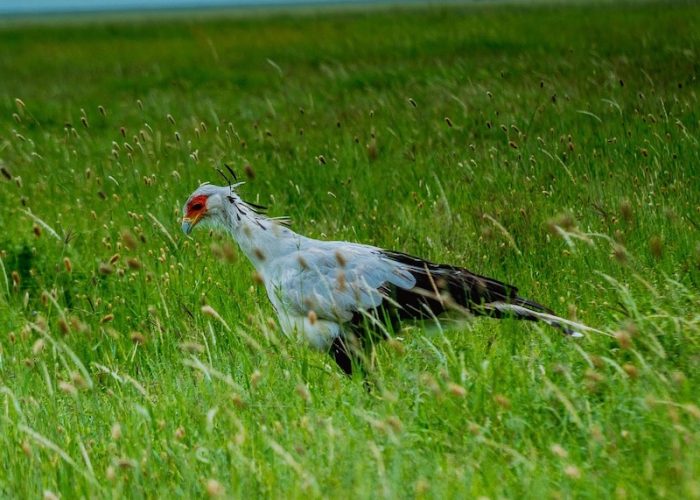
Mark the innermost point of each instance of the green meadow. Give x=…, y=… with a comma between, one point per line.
x=552, y=147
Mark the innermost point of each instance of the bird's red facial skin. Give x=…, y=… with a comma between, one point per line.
x=196, y=208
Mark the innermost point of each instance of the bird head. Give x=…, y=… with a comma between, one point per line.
x=206, y=204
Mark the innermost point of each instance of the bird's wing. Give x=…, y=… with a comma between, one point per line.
x=335, y=279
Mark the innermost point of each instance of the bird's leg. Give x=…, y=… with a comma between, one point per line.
x=349, y=353
x=343, y=358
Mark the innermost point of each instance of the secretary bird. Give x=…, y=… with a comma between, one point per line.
x=335, y=295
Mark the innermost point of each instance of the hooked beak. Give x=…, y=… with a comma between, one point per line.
x=189, y=223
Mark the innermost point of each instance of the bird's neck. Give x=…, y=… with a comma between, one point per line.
x=260, y=238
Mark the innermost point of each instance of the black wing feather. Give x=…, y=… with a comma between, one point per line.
x=462, y=287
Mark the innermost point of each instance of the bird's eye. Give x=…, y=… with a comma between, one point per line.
x=196, y=207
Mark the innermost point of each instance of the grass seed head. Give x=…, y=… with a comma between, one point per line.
x=68, y=388
x=105, y=268
x=63, y=326
x=179, y=433
x=692, y=410
x=593, y=380
x=372, y=151
x=394, y=423
x=429, y=381
x=128, y=240
x=41, y=323
x=78, y=380
x=133, y=263
x=193, y=347
x=303, y=392
x=572, y=471
x=126, y=463
x=626, y=210
x=214, y=488
x=50, y=495
x=456, y=390
x=342, y=282
x=38, y=347
x=565, y=221
x=559, y=450
x=623, y=338
x=656, y=247
x=340, y=259
x=137, y=338
x=249, y=172
x=78, y=325
x=237, y=401
x=673, y=415
x=593, y=376
x=397, y=346
x=422, y=487
x=216, y=250
x=259, y=254
x=313, y=317
x=631, y=370
x=597, y=434
x=678, y=378
x=116, y=431
x=630, y=328
x=16, y=280
x=502, y=401
x=255, y=378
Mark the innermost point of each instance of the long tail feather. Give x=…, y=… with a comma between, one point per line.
x=442, y=287
x=522, y=312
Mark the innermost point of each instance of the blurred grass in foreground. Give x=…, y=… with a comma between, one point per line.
x=552, y=147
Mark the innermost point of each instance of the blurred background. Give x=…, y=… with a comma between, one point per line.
x=33, y=7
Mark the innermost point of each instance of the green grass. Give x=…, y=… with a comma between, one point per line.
x=570, y=166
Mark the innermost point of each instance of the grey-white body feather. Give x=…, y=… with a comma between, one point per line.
x=327, y=282
x=315, y=286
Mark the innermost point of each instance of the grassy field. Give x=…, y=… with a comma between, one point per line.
x=552, y=147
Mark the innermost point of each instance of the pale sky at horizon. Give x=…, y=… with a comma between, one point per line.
x=58, y=6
